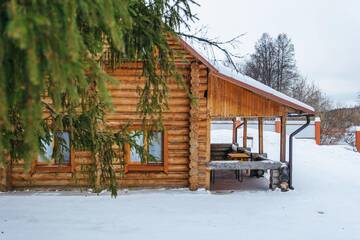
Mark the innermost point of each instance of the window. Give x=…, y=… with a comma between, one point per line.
x=154, y=143
x=63, y=162
x=155, y=147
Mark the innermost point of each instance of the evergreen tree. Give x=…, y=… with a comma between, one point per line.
x=51, y=54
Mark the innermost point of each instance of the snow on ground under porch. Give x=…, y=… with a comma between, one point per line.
x=324, y=205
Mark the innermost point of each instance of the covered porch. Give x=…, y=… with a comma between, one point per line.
x=240, y=160
x=237, y=164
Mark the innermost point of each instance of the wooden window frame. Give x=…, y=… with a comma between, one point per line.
x=44, y=167
x=153, y=167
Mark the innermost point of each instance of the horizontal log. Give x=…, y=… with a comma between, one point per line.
x=134, y=85
x=178, y=168
x=179, y=153
x=173, y=132
x=168, y=118
x=158, y=175
x=133, y=108
x=153, y=183
x=172, y=102
x=173, y=93
x=48, y=183
x=174, y=146
x=140, y=72
x=178, y=160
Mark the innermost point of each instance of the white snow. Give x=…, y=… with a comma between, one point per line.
x=324, y=205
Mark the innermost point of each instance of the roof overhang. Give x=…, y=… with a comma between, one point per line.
x=265, y=94
x=263, y=90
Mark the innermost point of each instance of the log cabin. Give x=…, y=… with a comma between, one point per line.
x=183, y=149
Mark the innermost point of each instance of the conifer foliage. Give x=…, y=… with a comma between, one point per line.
x=51, y=57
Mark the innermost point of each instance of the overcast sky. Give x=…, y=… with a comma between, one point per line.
x=326, y=35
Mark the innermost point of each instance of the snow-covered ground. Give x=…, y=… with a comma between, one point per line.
x=324, y=205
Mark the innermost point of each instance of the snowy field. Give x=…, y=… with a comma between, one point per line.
x=324, y=205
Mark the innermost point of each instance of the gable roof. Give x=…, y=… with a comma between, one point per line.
x=249, y=83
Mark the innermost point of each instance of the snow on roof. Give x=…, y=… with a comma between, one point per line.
x=243, y=79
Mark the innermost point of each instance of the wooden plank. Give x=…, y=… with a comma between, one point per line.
x=238, y=155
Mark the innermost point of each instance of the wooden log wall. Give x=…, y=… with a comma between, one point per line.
x=194, y=127
x=228, y=100
x=176, y=120
x=2, y=179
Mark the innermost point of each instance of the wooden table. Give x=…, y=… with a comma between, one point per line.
x=238, y=166
x=239, y=156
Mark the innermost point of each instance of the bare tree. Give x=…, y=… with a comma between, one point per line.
x=273, y=62
x=214, y=48
x=262, y=64
x=310, y=93
x=285, y=64
x=336, y=123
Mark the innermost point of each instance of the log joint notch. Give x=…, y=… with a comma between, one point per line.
x=2, y=178
x=194, y=128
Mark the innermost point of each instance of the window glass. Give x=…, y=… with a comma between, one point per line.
x=134, y=154
x=155, y=146
x=64, y=149
x=48, y=151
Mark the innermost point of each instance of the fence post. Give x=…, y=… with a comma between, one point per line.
x=277, y=125
x=317, y=130
x=357, y=138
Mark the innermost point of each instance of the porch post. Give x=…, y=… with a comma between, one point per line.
x=236, y=125
x=283, y=139
x=234, y=133
x=277, y=125
x=245, y=133
x=261, y=134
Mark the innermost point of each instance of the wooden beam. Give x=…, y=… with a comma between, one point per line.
x=261, y=134
x=283, y=139
x=245, y=133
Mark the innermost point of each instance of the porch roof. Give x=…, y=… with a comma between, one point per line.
x=249, y=83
